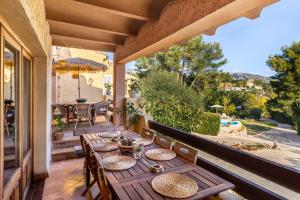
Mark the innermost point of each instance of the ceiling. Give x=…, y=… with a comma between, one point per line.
x=99, y=24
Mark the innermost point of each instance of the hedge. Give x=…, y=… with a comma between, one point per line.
x=209, y=124
x=171, y=112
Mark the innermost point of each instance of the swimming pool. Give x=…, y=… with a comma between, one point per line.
x=225, y=123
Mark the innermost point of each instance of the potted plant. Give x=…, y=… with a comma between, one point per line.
x=108, y=87
x=129, y=115
x=134, y=88
x=60, y=126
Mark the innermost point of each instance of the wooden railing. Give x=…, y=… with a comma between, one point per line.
x=272, y=171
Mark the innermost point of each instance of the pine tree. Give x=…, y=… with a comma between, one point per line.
x=286, y=81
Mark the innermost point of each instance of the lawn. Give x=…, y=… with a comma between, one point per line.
x=254, y=127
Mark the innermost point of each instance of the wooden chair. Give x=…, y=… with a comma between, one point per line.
x=101, y=109
x=64, y=111
x=87, y=150
x=186, y=152
x=163, y=141
x=83, y=111
x=148, y=133
x=99, y=176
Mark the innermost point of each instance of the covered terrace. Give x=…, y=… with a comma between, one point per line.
x=129, y=29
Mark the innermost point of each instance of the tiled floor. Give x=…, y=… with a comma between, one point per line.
x=66, y=181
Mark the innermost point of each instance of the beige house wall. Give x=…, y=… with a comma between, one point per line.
x=91, y=84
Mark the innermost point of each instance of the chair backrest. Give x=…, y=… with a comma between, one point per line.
x=87, y=149
x=148, y=133
x=163, y=141
x=99, y=176
x=83, y=110
x=185, y=151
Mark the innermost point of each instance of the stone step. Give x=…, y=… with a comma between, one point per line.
x=9, y=149
x=66, y=153
x=66, y=142
x=9, y=161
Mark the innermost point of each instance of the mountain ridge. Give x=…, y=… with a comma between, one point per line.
x=248, y=76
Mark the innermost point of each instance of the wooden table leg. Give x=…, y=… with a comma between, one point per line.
x=87, y=177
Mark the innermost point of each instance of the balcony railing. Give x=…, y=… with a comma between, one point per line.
x=272, y=171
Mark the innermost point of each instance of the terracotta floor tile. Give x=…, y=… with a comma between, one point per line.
x=66, y=182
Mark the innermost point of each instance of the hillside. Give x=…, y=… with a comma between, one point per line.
x=247, y=76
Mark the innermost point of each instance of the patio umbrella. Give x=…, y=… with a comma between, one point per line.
x=77, y=66
x=217, y=107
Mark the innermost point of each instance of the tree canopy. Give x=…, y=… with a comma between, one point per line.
x=191, y=62
x=286, y=81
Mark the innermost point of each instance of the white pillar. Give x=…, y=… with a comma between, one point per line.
x=42, y=116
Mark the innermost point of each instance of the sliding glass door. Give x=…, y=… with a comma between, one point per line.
x=16, y=118
x=11, y=135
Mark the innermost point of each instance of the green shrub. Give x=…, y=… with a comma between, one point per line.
x=169, y=111
x=209, y=124
x=254, y=113
x=163, y=84
x=172, y=103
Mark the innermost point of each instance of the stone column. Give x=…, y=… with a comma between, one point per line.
x=42, y=116
x=118, y=91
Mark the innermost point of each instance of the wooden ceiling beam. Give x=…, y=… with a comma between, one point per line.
x=89, y=25
x=183, y=20
x=64, y=41
x=82, y=32
x=80, y=38
x=73, y=12
x=128, y=11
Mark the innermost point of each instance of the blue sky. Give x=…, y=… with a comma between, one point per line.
x=248, y=43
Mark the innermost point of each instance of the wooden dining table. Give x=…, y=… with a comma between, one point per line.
x=135, y=183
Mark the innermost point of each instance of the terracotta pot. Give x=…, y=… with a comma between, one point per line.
x=58, y=136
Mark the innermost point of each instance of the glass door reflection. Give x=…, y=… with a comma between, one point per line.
x=11, y=149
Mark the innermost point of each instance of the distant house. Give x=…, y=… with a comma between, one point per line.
x=250, y=83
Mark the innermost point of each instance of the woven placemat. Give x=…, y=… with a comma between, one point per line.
x=108, y=134
x=116, y=162
x=160, y=154
x=144, y=141
x=174, y=185
x=102, y=147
